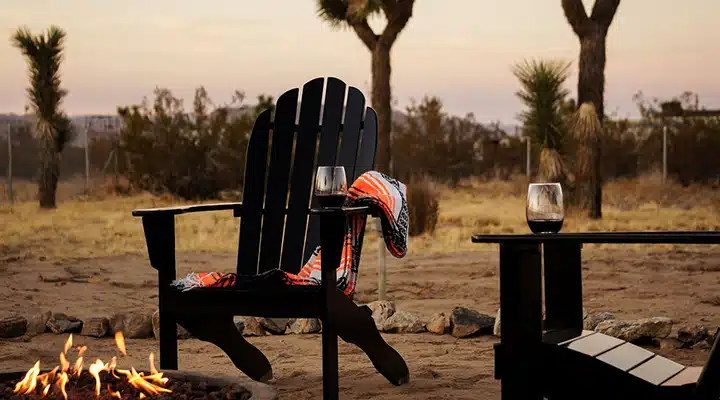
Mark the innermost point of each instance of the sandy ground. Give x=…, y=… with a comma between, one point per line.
x=631, y=282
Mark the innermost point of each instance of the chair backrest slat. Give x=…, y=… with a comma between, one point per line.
x=368, y=146
x=350, y=141
x=277, y=183
x=327, y=152
x=253, y=195
x=275, y=228
x=302, y=176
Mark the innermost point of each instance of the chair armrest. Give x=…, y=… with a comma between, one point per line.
x=146, y=212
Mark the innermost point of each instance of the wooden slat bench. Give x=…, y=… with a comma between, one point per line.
x=555, y=358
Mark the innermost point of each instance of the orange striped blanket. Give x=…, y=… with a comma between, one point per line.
x=383, y=194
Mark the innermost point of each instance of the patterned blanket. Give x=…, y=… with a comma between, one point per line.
x=384, y=195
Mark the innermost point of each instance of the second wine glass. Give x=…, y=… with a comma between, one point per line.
x=331, y=186
x=545, y=210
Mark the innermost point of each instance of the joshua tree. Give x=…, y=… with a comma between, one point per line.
x=585, y=128
x=592, y=31
x=542, y=92
x=44, y=54
x=354, y=14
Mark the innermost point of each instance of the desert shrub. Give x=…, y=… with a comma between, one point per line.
x=427, y=141
x=423, y=206
x=193, y=155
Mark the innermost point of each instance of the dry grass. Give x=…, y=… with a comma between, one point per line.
x=101, y=225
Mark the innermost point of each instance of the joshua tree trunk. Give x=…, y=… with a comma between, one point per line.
x=592, y=32
x=49, y=173
x=398, y=14
x=591, y=87
x=381, y=99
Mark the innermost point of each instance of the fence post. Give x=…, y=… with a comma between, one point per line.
x=382, y=277
x=11, y=197
x=664, y=172
x=527, y=157
x=87, y=156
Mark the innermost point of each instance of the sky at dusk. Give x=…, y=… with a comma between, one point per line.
x=459, y=50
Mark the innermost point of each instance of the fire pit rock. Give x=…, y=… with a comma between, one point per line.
x=12, y=325
x=61, y=323
x=182, y=333
x=37, y=323
x=134, y=325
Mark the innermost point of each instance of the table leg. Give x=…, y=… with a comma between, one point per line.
x=563, y=287
x=521, y=329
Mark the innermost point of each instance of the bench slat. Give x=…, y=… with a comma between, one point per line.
x=593, y=345
x=657, y=370
x=626, y=356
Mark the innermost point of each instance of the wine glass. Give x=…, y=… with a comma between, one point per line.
x=331, y=186
x=544, y=209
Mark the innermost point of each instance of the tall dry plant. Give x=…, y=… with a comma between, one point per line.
x=586, y=130
x=354, y=14
x=44, y=54
x=543, y=93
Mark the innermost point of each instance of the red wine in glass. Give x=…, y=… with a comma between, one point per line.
x=545, y=225
x=331, y=199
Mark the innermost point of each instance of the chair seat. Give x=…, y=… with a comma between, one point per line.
x=297, y=301
x=612, y=366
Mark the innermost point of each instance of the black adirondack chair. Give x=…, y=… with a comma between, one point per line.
x=280, y=230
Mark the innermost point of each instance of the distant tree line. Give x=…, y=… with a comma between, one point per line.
x=199, y=153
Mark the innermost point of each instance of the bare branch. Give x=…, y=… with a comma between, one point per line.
x=398, y=14
x=365, y=33
x=576, y=16
x=603, y=12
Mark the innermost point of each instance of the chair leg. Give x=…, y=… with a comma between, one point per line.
x=222, y=332
x=168, y=342
x=331, y=381
x=355, y=325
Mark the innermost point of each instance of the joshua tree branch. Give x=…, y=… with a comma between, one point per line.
x=603, y=12
x=365, y=33
x=398, y=13
x=576, y=15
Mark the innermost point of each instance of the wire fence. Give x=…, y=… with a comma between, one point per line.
x=92, y=163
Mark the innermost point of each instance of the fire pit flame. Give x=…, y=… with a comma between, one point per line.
x=147, y=385
x=120, y=342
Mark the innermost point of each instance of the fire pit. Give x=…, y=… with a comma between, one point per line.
x=108, y=380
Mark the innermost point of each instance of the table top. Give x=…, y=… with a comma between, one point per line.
x=676, y=237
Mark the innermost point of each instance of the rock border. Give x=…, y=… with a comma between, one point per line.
x=461, y=322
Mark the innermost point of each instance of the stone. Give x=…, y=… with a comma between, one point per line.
x=702, y=345
x=635, y=330
x=96, y=327
x=671, y=343
x=439, y=324
x=12, y=326
x=252, y=327
x=690, y=335
x=592, y=320
x=133, y=325
x=61, y=323
x=465, y=322
x=304, y=325
x=182, y=333
x=276, y=326
x=381, y=311
x=37, y=324
x=496, y=326
x=403, y=322
x=239, y=323
x=117, y=323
